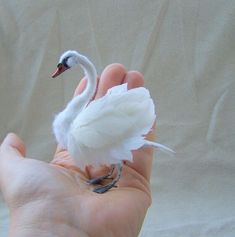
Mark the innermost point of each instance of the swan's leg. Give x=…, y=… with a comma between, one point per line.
x=105, y=188
x=99, y=179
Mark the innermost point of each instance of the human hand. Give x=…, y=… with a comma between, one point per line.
x=55, y=200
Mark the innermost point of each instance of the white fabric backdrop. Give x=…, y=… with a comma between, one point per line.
x=185, y=49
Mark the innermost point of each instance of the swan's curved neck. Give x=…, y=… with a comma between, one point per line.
x=91, y=76
x=79, y=102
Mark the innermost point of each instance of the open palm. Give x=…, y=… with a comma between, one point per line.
x=58, y=194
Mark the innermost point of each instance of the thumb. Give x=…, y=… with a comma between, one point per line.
x=13, y=145
x=12, y=150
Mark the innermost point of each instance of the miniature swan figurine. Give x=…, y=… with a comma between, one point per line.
x=106, y=130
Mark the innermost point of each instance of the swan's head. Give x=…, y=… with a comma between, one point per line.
x=67, y=60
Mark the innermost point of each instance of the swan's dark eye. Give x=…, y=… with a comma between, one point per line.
x=60, y=66
x=64, y=62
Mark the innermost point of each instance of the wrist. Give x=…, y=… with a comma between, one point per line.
x=42, y=219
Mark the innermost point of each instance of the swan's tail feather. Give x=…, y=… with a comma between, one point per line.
x=158, y=146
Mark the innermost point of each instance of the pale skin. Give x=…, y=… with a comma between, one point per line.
x=53, y=199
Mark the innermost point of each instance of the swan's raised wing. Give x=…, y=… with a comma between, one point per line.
x=113, y=125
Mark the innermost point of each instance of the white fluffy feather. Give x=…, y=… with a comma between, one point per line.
x=111, y=126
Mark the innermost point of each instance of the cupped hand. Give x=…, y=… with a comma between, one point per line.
x=54, y=199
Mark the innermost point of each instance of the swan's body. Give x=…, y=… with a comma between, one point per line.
x=106, y=130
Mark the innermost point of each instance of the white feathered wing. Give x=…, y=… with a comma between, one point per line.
x=108, y=129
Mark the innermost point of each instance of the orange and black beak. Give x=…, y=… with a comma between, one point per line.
x=60, y=69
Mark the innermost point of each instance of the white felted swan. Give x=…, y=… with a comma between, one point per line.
x=106, y=130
